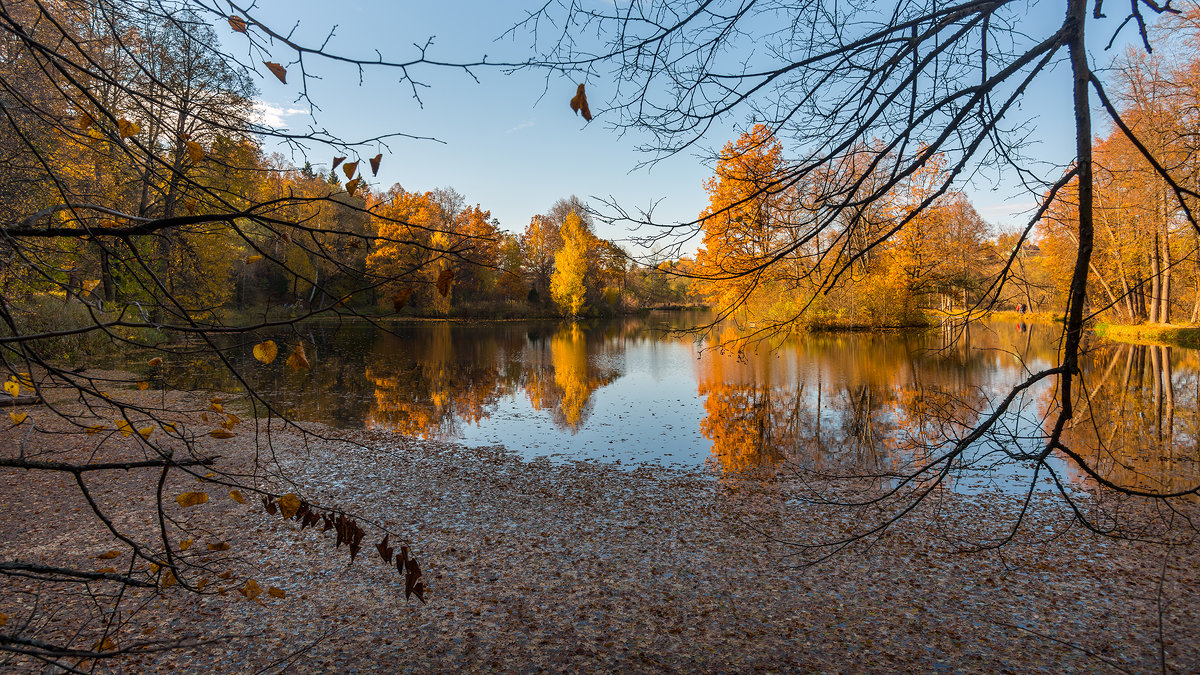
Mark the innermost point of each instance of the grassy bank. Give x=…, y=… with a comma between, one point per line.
x=1151, y=334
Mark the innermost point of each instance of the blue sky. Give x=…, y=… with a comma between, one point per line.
x=510, y=142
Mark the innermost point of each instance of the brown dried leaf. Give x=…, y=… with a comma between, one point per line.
x=237, y=23
x=352, y=186
x=219, y=546
x=277, y=70
x=155, y=362
x=250, y=589
x=349, y=168
x=400, y=299
x=127, y=128
x=276, y=592
x=336, y=161
x=237, y=496
x=225, y=575
x=445, y=277
x=375, y=164
x=185, y=544
x=221, y=433
x=580, y=105
x=109, y=555
x=298, y=360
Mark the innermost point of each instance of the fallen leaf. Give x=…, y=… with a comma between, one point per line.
x=145, y=432
x=225, y=575
x=219, y=546
x=191, y=499
x=18, y=418
x=237, y=496
x=107, y=570
x=96, y=428
x=276, y=592
x=250, y=589
x=12, y=387
x=108, y=555
x=143, y=385
x=168, y=579
x=185, y=544
x=217, y=407
x=221, y=433
x=105, y=645
x=124, y=427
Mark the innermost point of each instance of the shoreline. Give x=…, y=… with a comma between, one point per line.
x=588, y=566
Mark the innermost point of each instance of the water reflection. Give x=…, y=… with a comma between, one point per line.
x=627, y=390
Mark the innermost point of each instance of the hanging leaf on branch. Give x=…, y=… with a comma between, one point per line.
x=298, y=360
x=375, y=164
x=266, y=351
x=277, y=70
x=445, y=277
x=400, y=299
x=579, y=104
x=349, y=168
x=237, y=23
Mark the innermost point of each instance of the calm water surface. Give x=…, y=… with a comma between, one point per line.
x=630, y=390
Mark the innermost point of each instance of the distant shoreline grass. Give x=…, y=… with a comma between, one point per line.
x=1151, y=334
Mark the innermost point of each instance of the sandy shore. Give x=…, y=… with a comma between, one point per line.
x=533, y=566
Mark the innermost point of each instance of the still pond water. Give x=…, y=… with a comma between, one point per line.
x=633, y=391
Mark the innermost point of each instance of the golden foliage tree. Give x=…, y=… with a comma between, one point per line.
x=570, y=265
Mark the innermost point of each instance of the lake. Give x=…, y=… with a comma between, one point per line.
x=636, y=391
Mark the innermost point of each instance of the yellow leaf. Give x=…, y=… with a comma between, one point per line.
x=169, y=428
x=349, y=168
x=204, y=416
x=221, y=433
x=277, y=70
x=352, y=186
x=168, y=579
x=250, y=590
x=219, y=546
x=266, y=351
x=17, y=418
x=216, y=399
x=85, y=121
x=96, y=428
x=289, y=504
x=185, y=544
x=375, y=164
x=25, y=380
x=145, y=432
x=217, y=407
x=191, y=498
x=124, y=427
x=230, y=422
x=276, y=592
x=253, y=259
x=127, y=128
x=195, y=151
x=237, y=23
x=153, y=568
x=12, y=388
x=107, y=570
x=237, y=496
x=109, y=555
x=201, y=584
x=90, y=285
x=298, y=360
x=143, y=385
x=155, y=362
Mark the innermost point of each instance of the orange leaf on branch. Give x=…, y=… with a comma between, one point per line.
x=298, y=360
x=443, y=281
x=375, y=164
x=277, y=70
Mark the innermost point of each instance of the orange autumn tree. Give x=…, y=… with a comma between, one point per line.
x=740, y=222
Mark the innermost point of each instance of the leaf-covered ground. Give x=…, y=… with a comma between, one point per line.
x=534, y=566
